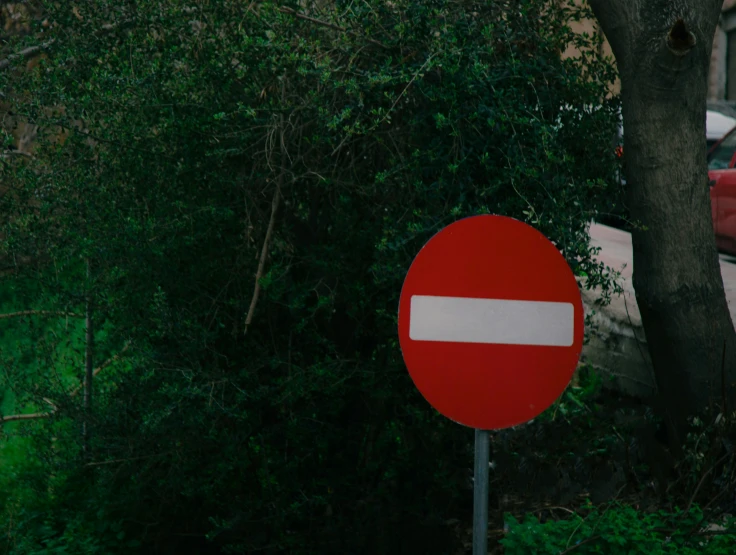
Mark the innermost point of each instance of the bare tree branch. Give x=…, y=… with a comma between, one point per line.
x=329, y=25
x=25, y=53
x=40, y=313
x=262, y=261
x=114, y=461
x=101, y=367
x=32, y=50
x=12, y=153
x=272, y=220
x=108, y=27
x=32, y=416
x=37, y=415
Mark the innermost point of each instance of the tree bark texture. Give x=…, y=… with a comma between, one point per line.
x=663, y=49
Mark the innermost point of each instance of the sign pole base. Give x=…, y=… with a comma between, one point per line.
x=480, y=493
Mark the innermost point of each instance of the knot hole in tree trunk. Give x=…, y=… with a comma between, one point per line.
x=680, y=40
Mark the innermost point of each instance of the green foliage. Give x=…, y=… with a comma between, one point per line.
x=305, y=434
x=620, y=530
x=576, y=401
x=704, y=460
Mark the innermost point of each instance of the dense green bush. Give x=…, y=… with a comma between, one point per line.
x=621, y=530
x=378, y=123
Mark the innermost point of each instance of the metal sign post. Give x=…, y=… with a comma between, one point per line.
x=480, y=493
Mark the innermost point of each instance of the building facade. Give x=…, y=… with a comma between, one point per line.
x=722, y=81
x=591, y=27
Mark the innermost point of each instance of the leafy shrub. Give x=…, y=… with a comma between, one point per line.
x=620, y=530
x=359, y=129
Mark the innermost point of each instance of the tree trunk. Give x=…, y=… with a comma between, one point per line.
x=663, y=48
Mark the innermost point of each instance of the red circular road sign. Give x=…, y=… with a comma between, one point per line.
x=490, y=322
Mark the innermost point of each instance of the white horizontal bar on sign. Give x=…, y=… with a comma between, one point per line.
x=470, y=320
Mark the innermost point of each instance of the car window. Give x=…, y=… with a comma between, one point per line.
x=722, y=155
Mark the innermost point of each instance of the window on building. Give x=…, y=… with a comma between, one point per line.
x=731, y=65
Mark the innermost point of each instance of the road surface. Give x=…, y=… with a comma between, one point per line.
x=616, y=253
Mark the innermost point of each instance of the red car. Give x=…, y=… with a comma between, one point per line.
x=722, y=176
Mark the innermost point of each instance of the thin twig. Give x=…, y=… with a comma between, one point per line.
x=693, y=530
x=12, y=153
x=660, y=530
x=413, y=78
x=579, y=544
x=31, y=50
x=720, y=494
x=100, y=463
x=100, y=368
x=702, y=479
x=271, y=223
x=37, y=415
x=32, y=416
x=108, y=27
x=262, y=261
x=298, y=15
x=40, y=313
x=555, y=507
x=25, y=53
x=329, y=25
x=595, y=536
